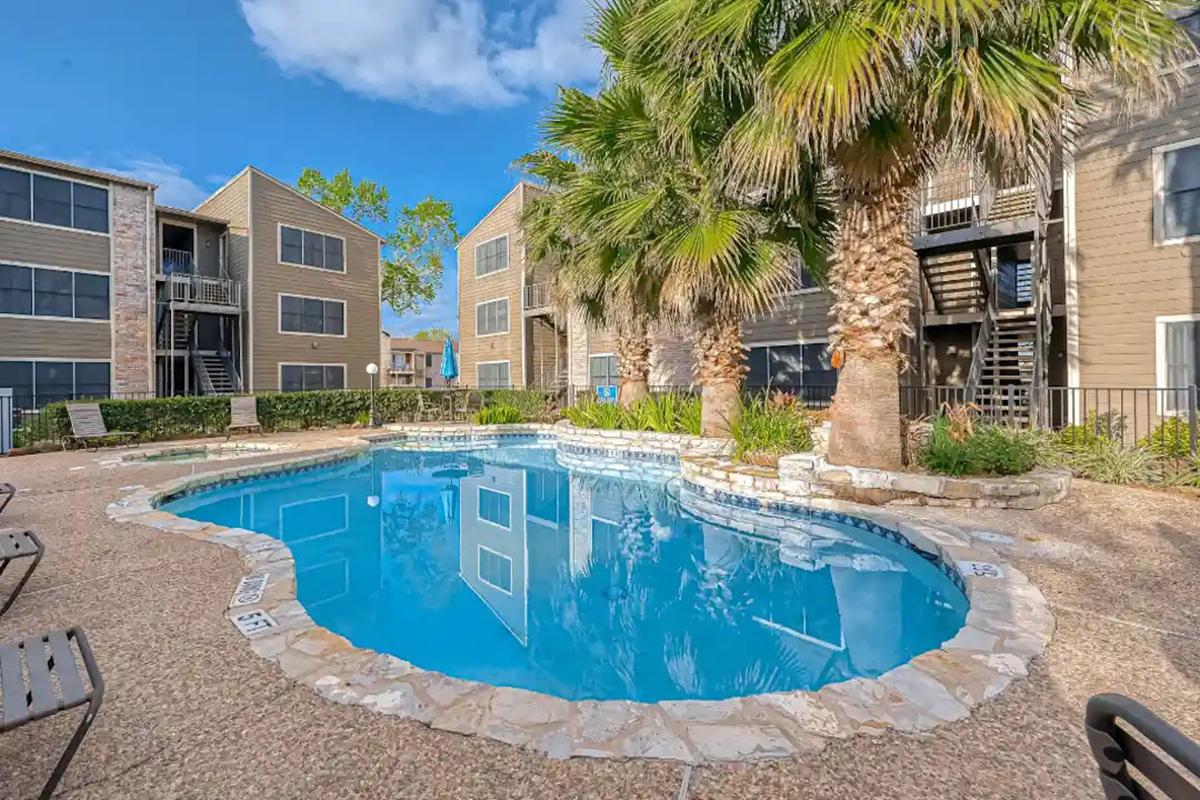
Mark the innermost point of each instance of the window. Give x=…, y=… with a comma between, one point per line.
x=428, y=360
x=53, y=201
x=495, y=570
x=309, y=249
x=429, y=383
x=16, y=290
x=491, y=317
x=16, y=200
x=36, y=383
x=1178, y=341
x=493, y=375
x=602, y=370
x=790, y=366
x=53, y=293
x=1177, y=206
x=310, y=377
x=495, y=507
x=491, y=256
x=311, y=315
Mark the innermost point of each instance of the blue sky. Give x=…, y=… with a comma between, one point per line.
x=428, y=97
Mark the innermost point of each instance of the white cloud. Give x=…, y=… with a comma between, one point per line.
x=174, y=188
x=432, y=53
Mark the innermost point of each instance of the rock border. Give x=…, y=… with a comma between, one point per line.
x=1008, y=624
x=809, y=475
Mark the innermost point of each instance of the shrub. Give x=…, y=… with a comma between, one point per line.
x=765, y=431
x=664, y=413
x=500, y=414
x=1108, y=462
x=1097, y=428
x=954, y=448
x=1171, y=439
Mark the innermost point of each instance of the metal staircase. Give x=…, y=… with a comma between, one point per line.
x=214, y=374
x=958, y=282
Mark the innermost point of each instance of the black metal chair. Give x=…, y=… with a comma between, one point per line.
x=14, y=546
x=40, y=677
x=1116, y=750
x=8, y=492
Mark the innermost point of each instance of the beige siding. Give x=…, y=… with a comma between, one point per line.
x=56, y=247
x=232, y=203
x=65, y=339
x=504, y=219
x=1124, y=278
x=272, y=205
x=800, y=317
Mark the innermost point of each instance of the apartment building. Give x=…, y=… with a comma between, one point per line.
x=104, y=292
x=411, y=362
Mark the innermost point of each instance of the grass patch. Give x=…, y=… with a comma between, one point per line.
x=767, y=430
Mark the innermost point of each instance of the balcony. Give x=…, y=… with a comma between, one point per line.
x=537, y=298
x=201, y=293
x=177, y=262
x=402, y=368
x=963, y=203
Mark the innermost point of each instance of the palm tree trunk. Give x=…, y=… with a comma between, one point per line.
x=720, y=367
x=633, y=360
x=872, y=280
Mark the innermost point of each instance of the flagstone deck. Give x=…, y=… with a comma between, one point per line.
x=191, y=711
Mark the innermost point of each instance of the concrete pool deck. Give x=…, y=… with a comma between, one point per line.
x=192, y=712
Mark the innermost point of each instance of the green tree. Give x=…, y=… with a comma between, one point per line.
x=433, y=335
x=882, y=91
x=411, y=272
x=647, y=226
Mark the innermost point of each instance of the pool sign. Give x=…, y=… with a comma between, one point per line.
x=606, y=394
x=980, y=569
x=249, y=591
x=252, y=622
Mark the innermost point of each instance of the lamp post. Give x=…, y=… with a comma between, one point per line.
x=372, y=371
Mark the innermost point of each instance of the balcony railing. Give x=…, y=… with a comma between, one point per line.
x=965, y=195
x=177, y=261
x=403, y=367
x=537, y=296
x=202, y=290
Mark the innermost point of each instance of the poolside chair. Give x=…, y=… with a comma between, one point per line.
x=14, y=546
x=243, y=415
x=87, y=427
x=40, y=677
x=8, y=492
x=1116, y=750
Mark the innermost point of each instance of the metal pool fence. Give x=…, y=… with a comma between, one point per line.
x=1162, y=418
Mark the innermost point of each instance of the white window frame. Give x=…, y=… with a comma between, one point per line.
x=279, y=317
x=507, y=317
x=95, y=184
x=33, y=298
x=479, y=568
x=279, y=372
x=1160, y=239
x=601, y=355
x=475, y=257
x=479, y=383
x=1160, y=358
x=279, y=226
x=479, y=504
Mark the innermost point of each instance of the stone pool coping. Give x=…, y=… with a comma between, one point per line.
x=213, y=451
x=1008, y=624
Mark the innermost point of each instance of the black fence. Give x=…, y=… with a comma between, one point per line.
x=814, y=396
x=1163, y=418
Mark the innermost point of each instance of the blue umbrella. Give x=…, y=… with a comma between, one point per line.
x=449, y=362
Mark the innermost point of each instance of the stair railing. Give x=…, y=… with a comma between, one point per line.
x=983, y=339
x=1043, y=305
x=205, y=379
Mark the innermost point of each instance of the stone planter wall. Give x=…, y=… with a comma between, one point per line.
x=807, y=475
x=674, y=444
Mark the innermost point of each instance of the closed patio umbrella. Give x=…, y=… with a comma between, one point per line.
x=449, y=362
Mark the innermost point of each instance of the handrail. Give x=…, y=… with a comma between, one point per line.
x=1042, y=298
x=205, y=290
x=176, y=261
x=537, y=295
x=983, y=340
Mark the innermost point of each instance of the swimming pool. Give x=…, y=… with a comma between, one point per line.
x=499, y=566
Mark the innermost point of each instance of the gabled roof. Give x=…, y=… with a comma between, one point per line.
x=196, y=215
x=521, y=184
x=83, y=171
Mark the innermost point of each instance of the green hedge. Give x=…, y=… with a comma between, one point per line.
x=163, y=418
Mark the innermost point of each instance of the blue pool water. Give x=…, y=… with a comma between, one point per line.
x=500, y=566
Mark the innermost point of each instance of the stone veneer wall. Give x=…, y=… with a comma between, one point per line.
x=132, y=290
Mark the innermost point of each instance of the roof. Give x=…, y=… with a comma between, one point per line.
x=419, y=345
x=300, y=194
x=521, y=184
x=196, y=215
x=84, y=171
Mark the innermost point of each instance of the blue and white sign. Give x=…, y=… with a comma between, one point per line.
x=606, y=394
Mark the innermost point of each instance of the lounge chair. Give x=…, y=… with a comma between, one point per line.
x=243, y=415
x=14, y=546
x=40, y=677
x=7, y=491
x=1116, y=750
x=87, y=427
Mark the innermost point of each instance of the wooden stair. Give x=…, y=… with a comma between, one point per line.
x=956, y=282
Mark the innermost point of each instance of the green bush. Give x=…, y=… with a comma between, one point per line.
x=500, y=414
x=664, y=413
x=1108, y=462
x=1096, y=429
x=1171, y=439
x=765, y=431
x=986, y=450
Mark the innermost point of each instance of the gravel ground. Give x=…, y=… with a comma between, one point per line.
x=191, y=712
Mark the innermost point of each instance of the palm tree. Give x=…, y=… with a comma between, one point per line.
x=652, y=225
x=880, y=91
